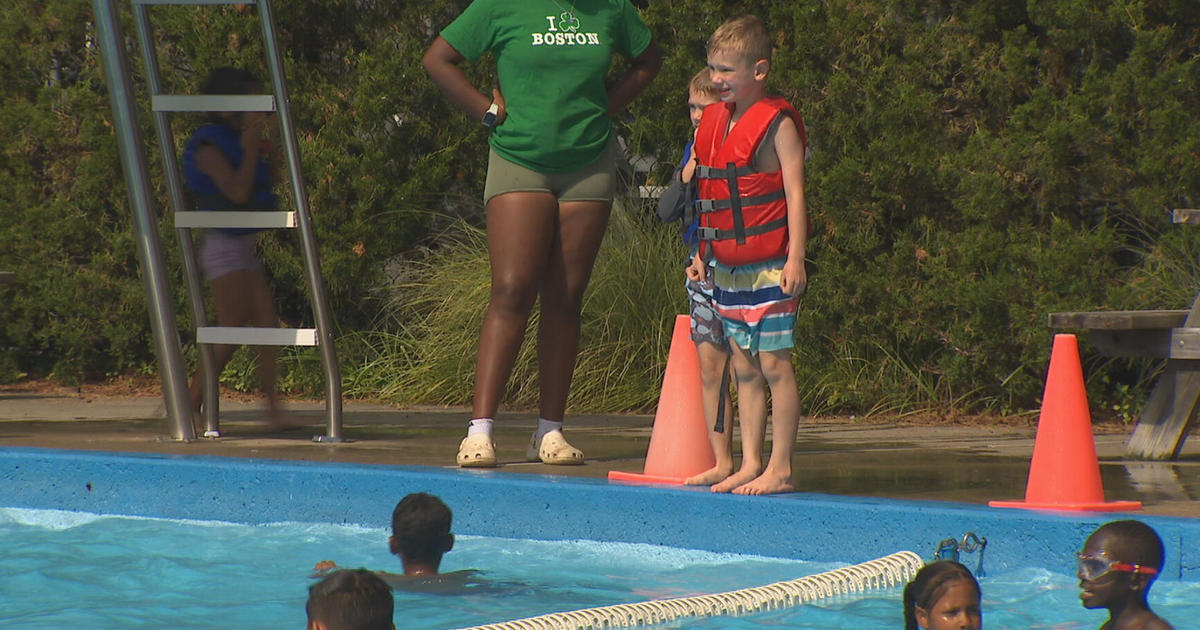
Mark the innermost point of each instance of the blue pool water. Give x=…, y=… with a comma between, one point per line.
x=71, y=569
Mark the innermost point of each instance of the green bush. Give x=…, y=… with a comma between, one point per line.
x=974, y=166
x=371, y=152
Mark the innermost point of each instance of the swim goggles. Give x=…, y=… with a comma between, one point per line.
x=1090, y=568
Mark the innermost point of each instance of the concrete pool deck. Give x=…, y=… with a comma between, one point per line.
x=951, y=462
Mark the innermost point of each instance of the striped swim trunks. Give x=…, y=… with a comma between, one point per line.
x=757, y=314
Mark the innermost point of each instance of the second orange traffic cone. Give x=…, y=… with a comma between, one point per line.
x=1064, y=473
x=679, y=446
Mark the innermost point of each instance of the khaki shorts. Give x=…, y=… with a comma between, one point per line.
x=594, y=182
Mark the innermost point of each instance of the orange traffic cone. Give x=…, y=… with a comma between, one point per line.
x=679, y=446
x=1064, y=473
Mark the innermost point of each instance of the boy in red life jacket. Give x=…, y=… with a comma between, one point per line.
x=750, y=149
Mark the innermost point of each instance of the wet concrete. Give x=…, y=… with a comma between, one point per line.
x=972, y=464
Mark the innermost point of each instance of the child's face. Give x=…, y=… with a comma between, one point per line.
x=956, y=609
x=1110, y=587
x=697, y=101
x=736, y=78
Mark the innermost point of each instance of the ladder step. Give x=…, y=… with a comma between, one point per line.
x=235, y=219
x=247, y=336
x=651, y=192
x=1185, y=215
x=212, y=103
x=153, y=2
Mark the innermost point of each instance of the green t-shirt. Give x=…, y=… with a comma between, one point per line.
x=552, y=72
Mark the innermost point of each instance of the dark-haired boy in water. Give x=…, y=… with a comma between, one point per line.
x=1119, y=562
x=420, y=537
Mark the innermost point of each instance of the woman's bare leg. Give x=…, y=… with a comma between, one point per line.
x=521, y=227
x=581, y=226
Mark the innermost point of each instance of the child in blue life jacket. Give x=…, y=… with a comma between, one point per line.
x=753, y=226
x=707, y=332
x=228, y=165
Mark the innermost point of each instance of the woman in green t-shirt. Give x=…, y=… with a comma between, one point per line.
x=550, y=182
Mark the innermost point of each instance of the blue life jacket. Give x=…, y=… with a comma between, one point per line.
x=205, y=192
x=691, y=221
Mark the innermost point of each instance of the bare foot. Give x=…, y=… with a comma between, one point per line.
x=767, y=483
x=738, y=479
x=716, y=474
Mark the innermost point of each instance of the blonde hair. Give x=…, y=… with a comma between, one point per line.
x=745, y=36
x=701, y=83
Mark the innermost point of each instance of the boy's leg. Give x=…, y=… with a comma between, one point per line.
x=752, y=417
x=714, y=365
x=707, y=331
x=785, y=420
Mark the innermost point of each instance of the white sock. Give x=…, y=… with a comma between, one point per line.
x=479, y=426
x=545, y=426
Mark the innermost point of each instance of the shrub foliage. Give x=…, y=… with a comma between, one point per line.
x=974, y=165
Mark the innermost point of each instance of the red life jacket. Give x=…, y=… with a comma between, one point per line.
x=743, y=212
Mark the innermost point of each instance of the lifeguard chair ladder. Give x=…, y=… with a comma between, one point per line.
x=163, y=321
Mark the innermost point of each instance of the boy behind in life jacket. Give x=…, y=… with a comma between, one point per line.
x=706, y=329
x=750, y=149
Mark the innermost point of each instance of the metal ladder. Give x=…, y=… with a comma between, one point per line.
x=163, y=321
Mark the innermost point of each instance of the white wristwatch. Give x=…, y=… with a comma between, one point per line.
x=489, y=118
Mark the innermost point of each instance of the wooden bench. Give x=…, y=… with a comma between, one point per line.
x=1173, y=335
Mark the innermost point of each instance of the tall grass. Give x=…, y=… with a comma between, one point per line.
x=426, y=354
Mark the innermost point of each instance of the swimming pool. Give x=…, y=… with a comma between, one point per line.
x=77, y=570
x=815, y=528
x=80, y=570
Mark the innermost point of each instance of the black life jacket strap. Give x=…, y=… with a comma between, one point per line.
x=713, y=205
x=715, y=234
x=735, y=205
x=708, y=172
x=719, y=425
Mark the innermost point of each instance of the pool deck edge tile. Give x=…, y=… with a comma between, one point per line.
x=802, y=525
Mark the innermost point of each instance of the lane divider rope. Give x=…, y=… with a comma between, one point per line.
x=891, y=570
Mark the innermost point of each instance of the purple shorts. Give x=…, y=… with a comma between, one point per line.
x=223, y=253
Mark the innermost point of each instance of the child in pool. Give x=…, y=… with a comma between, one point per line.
x=420, y=537
x=350, y=599
x=1119, y=562
x=943, y=596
